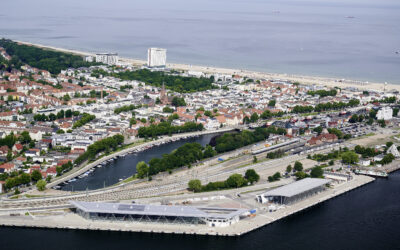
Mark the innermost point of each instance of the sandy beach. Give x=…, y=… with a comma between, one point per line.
x=309, y=80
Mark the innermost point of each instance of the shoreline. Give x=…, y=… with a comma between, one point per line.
x=303, y=79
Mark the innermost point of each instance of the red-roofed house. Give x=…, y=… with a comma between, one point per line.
x=17, y=147
x=8, y=167
x=51, y=171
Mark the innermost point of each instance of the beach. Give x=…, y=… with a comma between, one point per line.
x=303, y=79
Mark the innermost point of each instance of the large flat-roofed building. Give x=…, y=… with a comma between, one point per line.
x=214, y=217
x=107, y=58
x=293, y=192
x=385, y=113
x=156, y=57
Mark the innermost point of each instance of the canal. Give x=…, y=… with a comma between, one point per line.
x=125, y=167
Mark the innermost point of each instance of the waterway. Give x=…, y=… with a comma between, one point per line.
x=125, y=167
x=365, y=218
x=355, y=39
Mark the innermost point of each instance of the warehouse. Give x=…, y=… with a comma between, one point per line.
x=213, y=217
x=293, y=192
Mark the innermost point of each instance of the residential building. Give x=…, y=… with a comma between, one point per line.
x=156, y=57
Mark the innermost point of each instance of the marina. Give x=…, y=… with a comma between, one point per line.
x=109, y=170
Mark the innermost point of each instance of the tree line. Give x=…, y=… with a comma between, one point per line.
x=165, y=128
x=105, y=145
x=234, y=181
x=323, y=93
x=50, y=60
x=232, y=141
x=17, y=178
x=176, y=83
x=52, y=117
x=325, y=106
x=86, y=118
x=126, y=108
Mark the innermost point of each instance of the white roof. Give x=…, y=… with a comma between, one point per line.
x=297, y=187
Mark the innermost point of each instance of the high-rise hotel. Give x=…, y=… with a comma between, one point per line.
x=156, y=57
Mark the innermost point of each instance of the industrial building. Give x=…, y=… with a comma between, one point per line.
x=213, y=217
x=293, y=192
x=156, y=57
x=107, y=58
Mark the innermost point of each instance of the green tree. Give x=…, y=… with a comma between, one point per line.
x=272, y=103
x=60, y=114
x=68, y=113
x=255, y=159
x=349, y=157
x=251, y=176
x=300, y=175
x=24, y=178
x=289, y=168
x=66, y=98
x=9, y=155
x=317, y=172
x=178, y=101
x=10, y=183
x=25, y=138
x=235, y=181
x=142, y=169
x=195, y=185
x=36, y=175
x=318, y=130
x=41, y=185
x=254, y=117
x=298, y=166
x=208, y=113
x=353, y=118
x=277, y=176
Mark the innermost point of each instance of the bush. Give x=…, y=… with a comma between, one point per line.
x=195, y=185
x=41, y=185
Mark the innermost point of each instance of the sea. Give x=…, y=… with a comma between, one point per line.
x=344, y=39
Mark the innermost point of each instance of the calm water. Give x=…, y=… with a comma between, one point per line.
x=287, y=36
x=366, y=218
x=123, y=168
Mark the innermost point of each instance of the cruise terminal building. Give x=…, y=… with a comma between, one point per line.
x=213, y=217
x=293, y=192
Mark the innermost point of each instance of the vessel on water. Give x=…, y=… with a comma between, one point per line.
x=372, y=173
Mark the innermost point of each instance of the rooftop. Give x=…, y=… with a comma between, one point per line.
x=158, y=210
x=297, y=187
